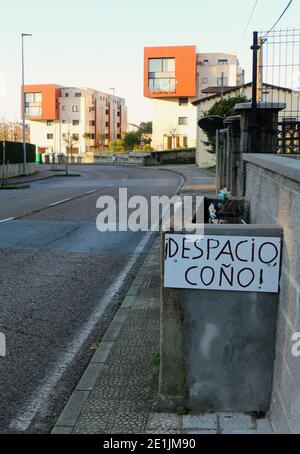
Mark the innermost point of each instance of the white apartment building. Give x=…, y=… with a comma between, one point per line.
x=81, y=119
x=176, y=76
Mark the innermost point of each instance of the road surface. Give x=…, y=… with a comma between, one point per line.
x=61, y=282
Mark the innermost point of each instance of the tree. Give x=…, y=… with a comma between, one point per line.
x=224, y=108
x=70, y=140
x=87, y=137
x=130, y=140
x=116, y=145
x=145, y=127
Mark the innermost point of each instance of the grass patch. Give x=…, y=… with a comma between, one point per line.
x=71, y=175
x=156, y=359
x=14, y=187
x=211, y=169
x=182, y=411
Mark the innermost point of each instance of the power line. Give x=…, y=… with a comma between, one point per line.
x=248, y=23
x=280, y=17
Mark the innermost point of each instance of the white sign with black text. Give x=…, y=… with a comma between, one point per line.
x=237, y=263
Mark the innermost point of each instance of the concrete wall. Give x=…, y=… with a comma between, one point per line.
x=273, y=189
x=15, y=170
x=218, y=348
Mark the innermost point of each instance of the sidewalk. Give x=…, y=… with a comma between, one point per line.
x=41, y=174
x=195, y=179
x=119, y=388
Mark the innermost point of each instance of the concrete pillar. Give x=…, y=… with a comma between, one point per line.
x=267, y=126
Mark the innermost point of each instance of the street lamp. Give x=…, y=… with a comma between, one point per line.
x=23, y=105
x=113, y=122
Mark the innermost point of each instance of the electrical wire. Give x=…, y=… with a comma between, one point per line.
x=248, y=23
x=279, y=19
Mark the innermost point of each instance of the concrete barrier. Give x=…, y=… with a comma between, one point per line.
x=15, y=170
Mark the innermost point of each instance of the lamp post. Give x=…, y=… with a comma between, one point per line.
x=113, y=119
x=23, y=105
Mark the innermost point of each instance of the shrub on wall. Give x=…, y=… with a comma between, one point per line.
x=14, y=152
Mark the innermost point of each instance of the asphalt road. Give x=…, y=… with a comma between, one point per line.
x=61, y=282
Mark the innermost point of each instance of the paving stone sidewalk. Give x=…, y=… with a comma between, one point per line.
x=119, y=388
x=117, y=392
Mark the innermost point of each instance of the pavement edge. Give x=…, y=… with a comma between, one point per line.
x=74, y=407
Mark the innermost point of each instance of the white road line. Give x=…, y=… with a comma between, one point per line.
x=81, y=195
x=40, y=399
x=58, y=203
x=6, y=220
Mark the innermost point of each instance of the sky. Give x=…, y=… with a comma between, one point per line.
x=99, y=43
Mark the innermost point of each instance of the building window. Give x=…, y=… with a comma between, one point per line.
x=204, y=80
x=183, y=101
x=75, y=136
x=33, y=104
x=223, y=62
x=66, y=95
x=77, y=95
x=75, y=109
x=92, y=123
x=161, y=78
x=118, y=125
x=222, y=81
x=119, y=114
x=92, y=136
x=185, y=142
x=75, y=122
x=107, y=136
x=183, y=121
x=50, y=136
x=63, y=108
x=49, y=123
x=92, y=109
x=107, y=112
x=64, y=122
x=107, y=124
x=64, y=135
x=119, y=136
x=205, y=62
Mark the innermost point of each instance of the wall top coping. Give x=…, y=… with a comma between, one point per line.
x=261, y=105
x=288, y=167
x=255, y=230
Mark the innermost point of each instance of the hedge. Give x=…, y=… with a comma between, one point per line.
x=14, y=152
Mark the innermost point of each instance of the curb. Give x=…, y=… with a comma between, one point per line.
x=73, y=409
x=34, y=180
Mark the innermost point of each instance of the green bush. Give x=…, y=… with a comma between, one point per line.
x=14, y=152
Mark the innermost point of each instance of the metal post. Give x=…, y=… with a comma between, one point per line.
x=255, y=47
x=113, y=120
x=23, y=105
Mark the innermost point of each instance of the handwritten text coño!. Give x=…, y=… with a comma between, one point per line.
x=222, y=263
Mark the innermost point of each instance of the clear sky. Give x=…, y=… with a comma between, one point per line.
x=99, y=43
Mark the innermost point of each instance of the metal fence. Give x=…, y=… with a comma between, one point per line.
x=278, y=81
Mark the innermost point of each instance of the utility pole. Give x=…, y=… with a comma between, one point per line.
x=222, y=86
x=23, y=105
x=255, y=47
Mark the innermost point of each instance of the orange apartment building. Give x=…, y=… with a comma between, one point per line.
x=174, y=76
x=90, y=117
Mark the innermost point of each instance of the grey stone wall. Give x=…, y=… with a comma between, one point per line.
x=273, y=189
x=15, y=170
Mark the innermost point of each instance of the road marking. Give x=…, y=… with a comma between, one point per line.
x=58, y=203
x=6, y=220
x=40, y=399
x=96, y=190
